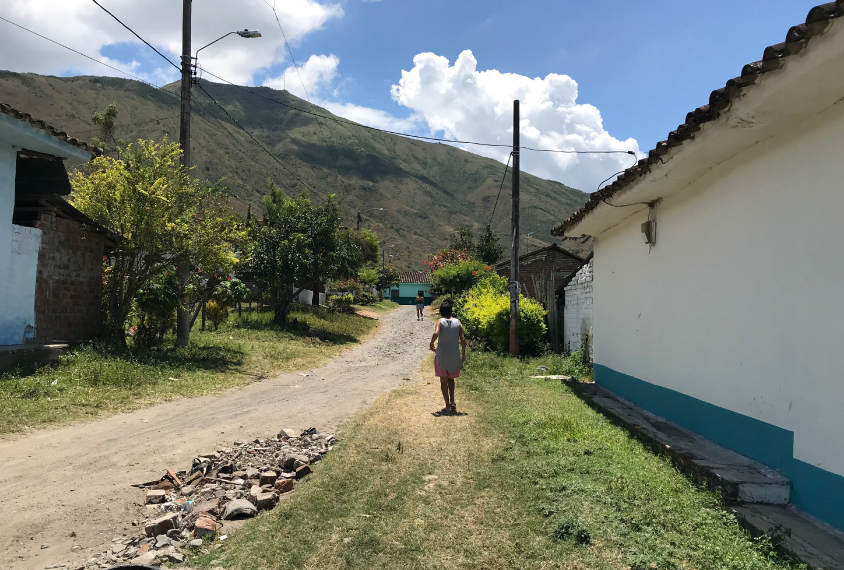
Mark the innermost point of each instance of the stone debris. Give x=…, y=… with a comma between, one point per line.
x=186, y=509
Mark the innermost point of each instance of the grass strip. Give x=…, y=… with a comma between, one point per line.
x=92, y=380
x=526, y=476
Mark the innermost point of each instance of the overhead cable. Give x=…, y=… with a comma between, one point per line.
x=235, y=121
x=167, y=59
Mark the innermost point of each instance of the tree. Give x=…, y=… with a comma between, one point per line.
x=388, y=276
x=106, y=121
x=299, y=243
x=463, y=240
x=158, y=214
x=489, y=248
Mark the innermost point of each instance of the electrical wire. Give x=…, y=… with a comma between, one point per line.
x=305, y=89
x=137, y=36
x=293, y=174
x=604, y=200
x=421, y=137
x=499, y=189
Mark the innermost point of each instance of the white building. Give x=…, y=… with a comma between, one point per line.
x=732, y=323
x=19, y=245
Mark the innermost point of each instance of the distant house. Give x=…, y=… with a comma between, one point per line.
x=539, y=264
x=30, y=253
x=410, y=283
x=695, y=318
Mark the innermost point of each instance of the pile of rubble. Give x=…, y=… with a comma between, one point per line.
x=234, y=483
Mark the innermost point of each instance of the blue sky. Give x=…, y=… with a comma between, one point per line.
x=635, y=69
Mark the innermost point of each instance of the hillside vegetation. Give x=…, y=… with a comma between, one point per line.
x=426, y=189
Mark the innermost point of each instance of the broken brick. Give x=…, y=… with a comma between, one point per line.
x=162, y=525
x=284, y=486
x=266, y=501
x=303, y=470
x=268, y=477
x=155, y=496
x=204, y=526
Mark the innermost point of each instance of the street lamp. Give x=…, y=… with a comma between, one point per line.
x=360, y=218
x=249, y=34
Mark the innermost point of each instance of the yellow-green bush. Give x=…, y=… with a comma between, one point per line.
x=485, y=313
x=217, y=313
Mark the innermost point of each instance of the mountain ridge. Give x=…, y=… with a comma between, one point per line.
x=426, y=189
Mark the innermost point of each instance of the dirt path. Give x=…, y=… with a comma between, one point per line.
x=76, y=479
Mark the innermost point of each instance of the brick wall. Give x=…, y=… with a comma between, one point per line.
x=69, y=284
x=577, y=315
x=539, y=265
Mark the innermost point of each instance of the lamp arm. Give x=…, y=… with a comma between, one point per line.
x=212, y=43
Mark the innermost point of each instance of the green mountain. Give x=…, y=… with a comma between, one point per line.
x=426, y=189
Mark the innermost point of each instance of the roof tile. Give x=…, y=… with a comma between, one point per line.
x=9, y=111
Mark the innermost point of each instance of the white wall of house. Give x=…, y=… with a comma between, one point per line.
x=8, y=327
x=741, y=302
x=26, y=242
x=577, y=314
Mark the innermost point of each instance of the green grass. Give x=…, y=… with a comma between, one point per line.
x=96, y=379
x=528, y=476
x=384, y=306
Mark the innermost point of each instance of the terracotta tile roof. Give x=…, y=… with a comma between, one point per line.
x=817, y=21
x=9, y=111
x=414, y=277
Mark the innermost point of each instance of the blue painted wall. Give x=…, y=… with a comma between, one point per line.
x=815, y=490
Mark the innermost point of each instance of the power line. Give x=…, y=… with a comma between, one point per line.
x=499, y=189
x=293, y=174
x=137, y=36
x=421, y=137
x=95, y=60
x=305, y=89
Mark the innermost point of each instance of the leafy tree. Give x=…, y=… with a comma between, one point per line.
x=388, y=276
x=106, y=121
x=488, y=248
x=158, y=214
x=369, y=276
x=463, y=240
x=299, y=243
x=446, y=257
x=367, y=242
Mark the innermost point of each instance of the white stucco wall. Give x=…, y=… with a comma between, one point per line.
x=8, y=156
x=20, y=311
x=740, y=303
x=577, y=314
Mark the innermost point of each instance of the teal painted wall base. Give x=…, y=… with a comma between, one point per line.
x=818, y=492
x=409, y=300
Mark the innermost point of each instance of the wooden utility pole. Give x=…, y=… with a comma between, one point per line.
x=514, y=254
x=183, y=270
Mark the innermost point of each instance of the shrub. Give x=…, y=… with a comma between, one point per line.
x=341, y=303
x=458, y=277
x=155, y=309
x=217, y=313
x=485, y=313
x=367, y=299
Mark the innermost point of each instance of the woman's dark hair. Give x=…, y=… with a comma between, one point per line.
x=445, y=309
x=421, y=294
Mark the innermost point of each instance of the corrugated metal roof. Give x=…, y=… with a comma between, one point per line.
x=817, y=21
x=9, y=111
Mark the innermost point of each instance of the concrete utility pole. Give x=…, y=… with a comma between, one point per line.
x=514, y=254
x=183, y=270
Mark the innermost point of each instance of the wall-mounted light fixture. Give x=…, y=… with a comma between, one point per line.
x=649, y=227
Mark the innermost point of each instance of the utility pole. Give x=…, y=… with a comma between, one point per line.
x=514, y=254
x=360, y=218
x=183, y=270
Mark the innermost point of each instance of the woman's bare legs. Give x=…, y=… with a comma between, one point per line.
x=451, y=393
x=445, y=385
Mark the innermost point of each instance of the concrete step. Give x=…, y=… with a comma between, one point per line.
x=813, y=542
x=15, y=355
x=737, y=478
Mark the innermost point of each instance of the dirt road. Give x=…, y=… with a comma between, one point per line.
x=71, y=486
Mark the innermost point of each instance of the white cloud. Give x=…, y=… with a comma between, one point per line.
x=316, y=74
x=375, y=117
x=467, y=104
x=80, y=24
